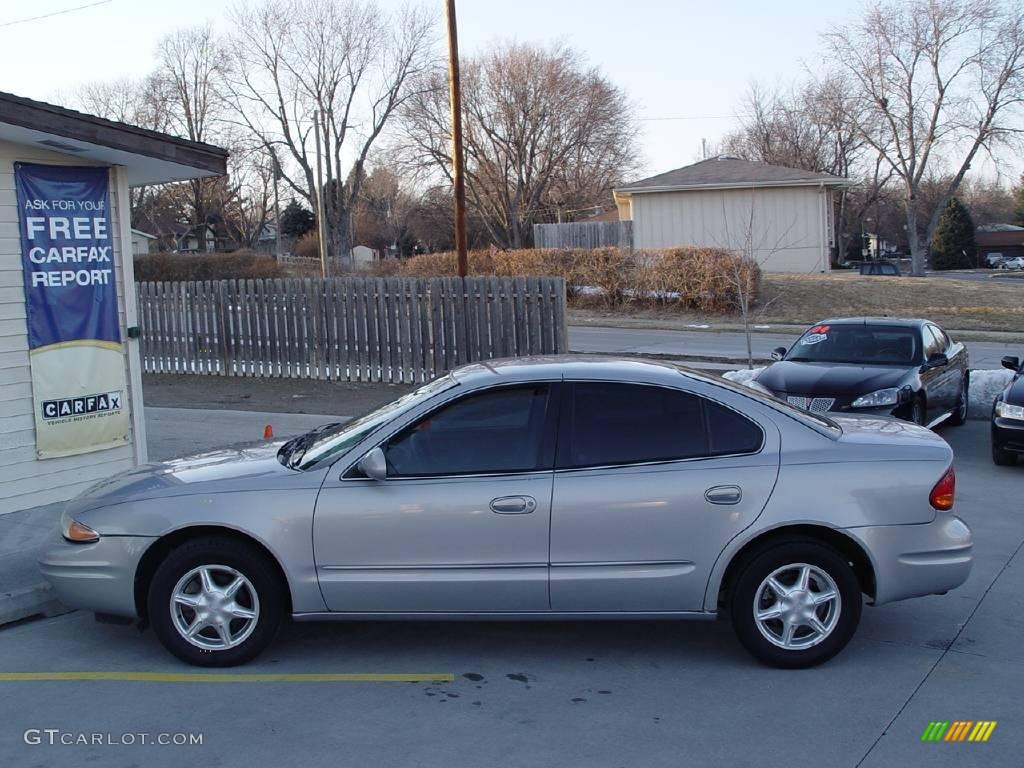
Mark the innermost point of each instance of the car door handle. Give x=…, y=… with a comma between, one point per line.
x=513, y=505
x=724, y=494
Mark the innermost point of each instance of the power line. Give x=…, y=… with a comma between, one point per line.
x=55, y=13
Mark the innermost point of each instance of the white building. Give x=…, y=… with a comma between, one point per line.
x=141, y=241
x=782, y=217
x=39, y=133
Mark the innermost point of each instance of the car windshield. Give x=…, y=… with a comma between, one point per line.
x=858, y=344
x=331, y=440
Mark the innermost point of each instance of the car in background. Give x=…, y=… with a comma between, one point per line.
x=993, y=260
x=558, y=488
x=910, y=369
x=880, y=269
x=1017, y=262
x=1008, y=417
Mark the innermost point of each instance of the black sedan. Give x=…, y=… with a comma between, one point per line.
x=1008, y=417
x=910, y=369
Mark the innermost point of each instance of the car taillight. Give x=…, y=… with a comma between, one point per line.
x=944, y=491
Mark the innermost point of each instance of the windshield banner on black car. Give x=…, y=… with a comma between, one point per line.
x=74, y=336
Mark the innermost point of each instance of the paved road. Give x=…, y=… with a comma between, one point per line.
x=985, y=276
x=598, y=694
x=725, y=344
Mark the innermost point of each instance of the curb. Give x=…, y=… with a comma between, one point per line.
x=37, y=600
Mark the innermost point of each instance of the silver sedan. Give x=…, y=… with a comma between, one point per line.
x=545, y=488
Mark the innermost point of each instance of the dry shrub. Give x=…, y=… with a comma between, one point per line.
x=307, y=246
x=179, y=267
x=701, y=279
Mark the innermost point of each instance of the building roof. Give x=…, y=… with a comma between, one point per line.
x=1007, y=238
x=1000, y=228
x=150, y=157
x=143, y=234
x=728, y=173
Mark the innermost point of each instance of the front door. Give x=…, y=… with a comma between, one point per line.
x=462, y=521
x=651, y=484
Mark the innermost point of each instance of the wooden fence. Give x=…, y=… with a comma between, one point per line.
x=584, y=234
x=394, y=330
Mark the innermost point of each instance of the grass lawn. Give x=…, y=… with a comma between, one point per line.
x=954, y=304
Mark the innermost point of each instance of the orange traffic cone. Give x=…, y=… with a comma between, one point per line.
x=268, y=432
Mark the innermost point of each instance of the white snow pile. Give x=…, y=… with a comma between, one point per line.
x=985, y=387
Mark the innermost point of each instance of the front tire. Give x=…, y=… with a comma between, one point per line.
x=216, y=602
x=796, y=604
x=1002, y=457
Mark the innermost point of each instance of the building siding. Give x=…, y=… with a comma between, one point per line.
x=784, y=228
x=26, y=481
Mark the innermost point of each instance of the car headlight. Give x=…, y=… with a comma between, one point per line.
x=1009, y=411
x=877, y=399
x=77, y=532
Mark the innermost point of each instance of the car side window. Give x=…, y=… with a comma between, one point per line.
x=608, y=424
x=496, y=431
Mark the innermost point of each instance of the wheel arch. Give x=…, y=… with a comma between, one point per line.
x=855, y=554
x=159, y=549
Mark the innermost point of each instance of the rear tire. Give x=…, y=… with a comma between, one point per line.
x=1003, y=458
x=816, y=595
x=216, y=602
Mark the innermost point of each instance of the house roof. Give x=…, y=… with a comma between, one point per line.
x=990, y=239
x=150, y=157
x=727, y=173
x=143, y=234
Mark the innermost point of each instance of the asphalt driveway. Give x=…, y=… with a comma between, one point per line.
x=565, y=694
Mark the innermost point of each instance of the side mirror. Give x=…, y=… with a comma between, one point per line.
x=1011, y=362
x=374, y=465
x=938, y=360
x=778, y=353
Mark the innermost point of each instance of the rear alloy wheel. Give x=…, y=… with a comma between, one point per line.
x=1002, y=457
x=796, y=604
x=959, y=415
x=215, y=602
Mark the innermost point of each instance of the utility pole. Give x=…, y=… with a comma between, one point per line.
x=458, y=172
x=321, y=225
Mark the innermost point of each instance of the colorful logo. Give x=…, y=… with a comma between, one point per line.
x=959, y=730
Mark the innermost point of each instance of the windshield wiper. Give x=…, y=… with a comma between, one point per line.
x=295, y=449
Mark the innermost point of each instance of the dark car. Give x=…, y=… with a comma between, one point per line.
x=880, y=268
x=910, y=369
x=1008, y=417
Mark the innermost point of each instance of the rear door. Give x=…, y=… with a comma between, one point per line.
x=650, y=484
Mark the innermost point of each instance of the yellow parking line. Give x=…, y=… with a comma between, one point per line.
x=174, y=677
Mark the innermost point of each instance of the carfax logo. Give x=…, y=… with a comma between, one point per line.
x=959, y=730
x=104, y=402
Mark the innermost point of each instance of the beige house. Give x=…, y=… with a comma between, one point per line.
x=782, y=217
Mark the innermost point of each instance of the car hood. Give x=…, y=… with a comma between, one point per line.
x=829, y=378
x=1014, y=392
x=244, y=467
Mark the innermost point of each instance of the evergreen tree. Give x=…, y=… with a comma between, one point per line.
x=1018, y=203
x=953, y=245
x=296, y=220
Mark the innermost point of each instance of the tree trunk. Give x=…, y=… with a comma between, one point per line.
x=917, y=251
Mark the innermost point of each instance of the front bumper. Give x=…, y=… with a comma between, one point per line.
x=1008, y=434
x=917, y=560
x=97, y=577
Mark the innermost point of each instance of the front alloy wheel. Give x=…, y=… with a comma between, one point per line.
x=216, y=602
x=795, y=603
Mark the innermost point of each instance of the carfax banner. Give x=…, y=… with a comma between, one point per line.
x=74, y=338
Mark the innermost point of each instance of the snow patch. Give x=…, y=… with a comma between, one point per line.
x=744, y=375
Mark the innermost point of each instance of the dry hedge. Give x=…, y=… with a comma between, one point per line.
x=703, y=279
x=178, y=267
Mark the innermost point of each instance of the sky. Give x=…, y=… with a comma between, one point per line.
x=685, y=65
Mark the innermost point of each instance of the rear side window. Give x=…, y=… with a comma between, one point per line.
x=607, y=424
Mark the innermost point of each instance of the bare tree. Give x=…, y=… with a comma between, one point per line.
x=345, y=59
x=932, y=82
x=191, y=66
x=544, y=135
x=245, y=196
